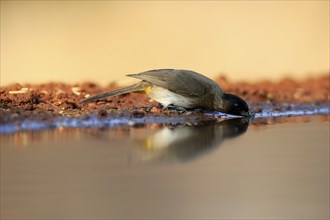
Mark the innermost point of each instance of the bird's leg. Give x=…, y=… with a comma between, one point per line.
x=176, y=108
x=199, y=110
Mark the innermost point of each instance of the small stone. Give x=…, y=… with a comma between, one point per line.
x=155, y=110
x=102, y=113
x=138, y=114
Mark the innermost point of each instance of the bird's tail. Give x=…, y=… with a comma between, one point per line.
x=138, y=87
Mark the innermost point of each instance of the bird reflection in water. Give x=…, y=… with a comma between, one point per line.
x=187, y=143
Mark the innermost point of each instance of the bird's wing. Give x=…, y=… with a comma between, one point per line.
x=184, y=82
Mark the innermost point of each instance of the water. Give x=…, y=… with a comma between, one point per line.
x=268, y=168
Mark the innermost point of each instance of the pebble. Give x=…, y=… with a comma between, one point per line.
x=102, y=113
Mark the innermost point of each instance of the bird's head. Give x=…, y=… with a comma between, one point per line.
x=234, y=105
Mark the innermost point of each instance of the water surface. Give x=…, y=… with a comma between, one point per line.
x=268, y=168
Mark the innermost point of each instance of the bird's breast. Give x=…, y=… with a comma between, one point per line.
x=166, y=98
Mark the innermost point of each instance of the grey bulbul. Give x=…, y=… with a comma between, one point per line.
x=182, y=88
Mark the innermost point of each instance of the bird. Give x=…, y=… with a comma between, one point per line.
x=184, y=89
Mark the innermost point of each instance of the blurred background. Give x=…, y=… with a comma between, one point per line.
x=102, y=41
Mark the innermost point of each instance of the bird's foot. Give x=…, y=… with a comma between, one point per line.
x=176, y=108
x=199, y=110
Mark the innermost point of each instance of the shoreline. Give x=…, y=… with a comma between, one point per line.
x=51, y=102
